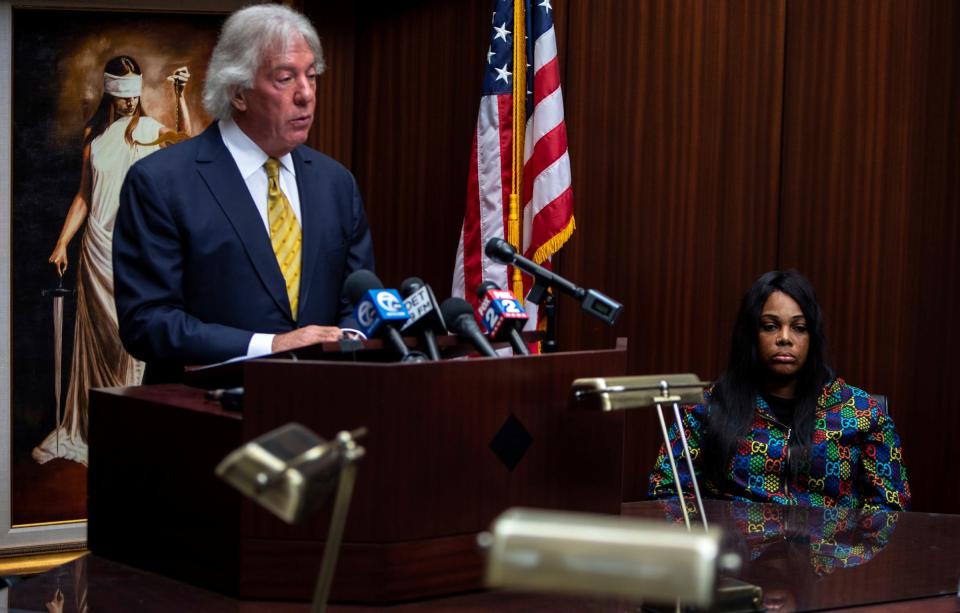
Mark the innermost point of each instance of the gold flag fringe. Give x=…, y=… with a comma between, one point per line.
x=553, y=245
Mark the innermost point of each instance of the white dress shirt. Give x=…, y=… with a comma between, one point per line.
x=250, y=159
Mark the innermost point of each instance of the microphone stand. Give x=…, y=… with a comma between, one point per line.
x=549, y=344
x=591, y=301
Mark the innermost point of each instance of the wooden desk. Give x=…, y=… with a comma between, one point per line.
x=804, y=558
x=450, y=445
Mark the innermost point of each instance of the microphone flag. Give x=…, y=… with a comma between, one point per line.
x=418, y=304
x=378, y=307
x=497, y=307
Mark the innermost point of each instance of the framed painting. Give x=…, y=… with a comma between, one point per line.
x=88, y=90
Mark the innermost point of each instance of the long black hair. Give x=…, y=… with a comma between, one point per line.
x=104, y=116
x=732, y=403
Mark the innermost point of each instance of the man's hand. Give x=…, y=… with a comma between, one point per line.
x=301, y=337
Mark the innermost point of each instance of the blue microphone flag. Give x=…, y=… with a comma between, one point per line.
x=379, y=307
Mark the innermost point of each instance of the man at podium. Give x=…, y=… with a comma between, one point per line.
x=235, y=243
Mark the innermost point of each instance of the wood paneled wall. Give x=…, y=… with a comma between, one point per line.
x=710, y=141
x=870, y=208
x=674, y=126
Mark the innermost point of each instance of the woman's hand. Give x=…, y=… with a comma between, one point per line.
x=179, y=77
x=55, y=605
x=59, y=258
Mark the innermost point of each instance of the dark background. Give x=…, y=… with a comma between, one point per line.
x=711, y=141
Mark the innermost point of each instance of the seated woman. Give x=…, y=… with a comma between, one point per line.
x=778, y=426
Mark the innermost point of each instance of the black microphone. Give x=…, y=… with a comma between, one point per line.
x=425, y=318
x=458, y=314
x=502, y=315
x=591, y=301
x=378, y=311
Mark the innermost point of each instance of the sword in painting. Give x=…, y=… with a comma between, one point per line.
x=58, y=294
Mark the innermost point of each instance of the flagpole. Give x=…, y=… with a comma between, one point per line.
x=519, y=128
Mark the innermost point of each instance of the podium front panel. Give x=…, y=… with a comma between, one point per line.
x=451, y=444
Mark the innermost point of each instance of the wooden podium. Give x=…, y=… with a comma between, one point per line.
x=451, y=444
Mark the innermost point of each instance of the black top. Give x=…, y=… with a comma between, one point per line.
x=782, y=408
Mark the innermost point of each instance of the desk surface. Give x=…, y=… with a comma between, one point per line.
x=805, y=559
x=813, y=558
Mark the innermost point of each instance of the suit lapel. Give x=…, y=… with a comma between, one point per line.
x=222, y=176
x=311, y=218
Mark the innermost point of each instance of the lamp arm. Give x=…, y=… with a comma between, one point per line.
x=334, y=536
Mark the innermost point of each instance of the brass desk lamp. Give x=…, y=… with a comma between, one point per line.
x=603, y=555
x=290, y=471
x=620, y=393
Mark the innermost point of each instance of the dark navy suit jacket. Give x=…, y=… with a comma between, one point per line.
x=194, y=271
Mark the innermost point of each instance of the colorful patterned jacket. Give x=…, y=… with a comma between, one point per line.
x=856, y=459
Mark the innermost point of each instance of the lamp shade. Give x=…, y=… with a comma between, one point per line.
x=290, y=471
x=602, y=555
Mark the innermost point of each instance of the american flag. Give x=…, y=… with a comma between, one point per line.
x=546, y=196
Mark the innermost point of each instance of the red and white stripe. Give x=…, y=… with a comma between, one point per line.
x=488, y=198
x=547, y=189
x=547, y=196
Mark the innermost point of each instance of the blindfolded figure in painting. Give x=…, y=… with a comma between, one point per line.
x=118, y=134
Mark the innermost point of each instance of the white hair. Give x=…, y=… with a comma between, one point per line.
x=247, y=36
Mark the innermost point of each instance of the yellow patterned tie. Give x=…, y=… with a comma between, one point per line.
x=284, y=233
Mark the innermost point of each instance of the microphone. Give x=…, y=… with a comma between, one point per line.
x=502, y=315
x=458, y=314
x=591, y=301
x=378, y=311
x=425, y=318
